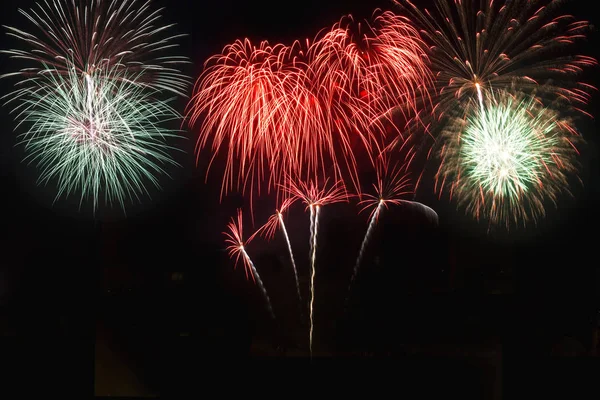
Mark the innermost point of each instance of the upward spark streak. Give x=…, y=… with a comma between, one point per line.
x=479, y=95
x=363, y=245
x=258, y=281
x=236, y=249
x=314, y=218
x=315, y=196
x=289, y=245
x=269, y=229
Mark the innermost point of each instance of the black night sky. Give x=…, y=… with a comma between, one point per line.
x=150, y=304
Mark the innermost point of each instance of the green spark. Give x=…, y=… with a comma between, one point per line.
x=97, y=133
x=506, y=156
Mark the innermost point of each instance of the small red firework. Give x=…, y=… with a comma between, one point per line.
x=270, y=227
x=392, y=184
x=314, y=195
x=236, y=244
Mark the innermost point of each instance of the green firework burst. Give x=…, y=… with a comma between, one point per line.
x=90, y=96
x=98, y=134
x=506, y=157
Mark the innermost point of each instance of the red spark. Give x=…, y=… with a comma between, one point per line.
x=305, y=110
x=234, y=238
x=270, y=227
x=392, y=184
x=313, y=194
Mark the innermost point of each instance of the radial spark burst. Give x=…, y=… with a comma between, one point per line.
x=94, y=134
x=236, y=247
x=306, y=109
x=90, y=98
x=87, y=35
x=371, y=68
x=362, y=72
x=504, y=44
x=504, y=160
x=243, y=102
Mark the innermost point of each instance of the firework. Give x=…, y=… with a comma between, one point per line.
x=315, y=196
x=393, y=184
x=503, y=160
x=91, y=34
x=268, y=230
x=234, y=238
x=94, y=133
x=259, y=105
x=244, y=99
x=364, y=72
x=306, y=109
x=372, y=68
x=502, y=44
x=90, y=99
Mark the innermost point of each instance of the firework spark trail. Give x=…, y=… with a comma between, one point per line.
x=315, y=196
x=479, y=96
x=289, y=246
x=392, y=184
x=363, y=247
x=269, y=228
x=503, y=161
x=259, y=282
x=237, y=250
x=314, y=218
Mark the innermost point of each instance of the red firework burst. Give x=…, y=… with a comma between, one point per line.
x=313, y=194
x=366, y=71
x=301, y=110
x=270, y=227
x=234, y=238
x=244, y=100
x=392, y=184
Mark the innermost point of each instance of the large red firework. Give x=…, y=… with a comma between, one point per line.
x=365, y=72
x=305, y=110
x=244, y=104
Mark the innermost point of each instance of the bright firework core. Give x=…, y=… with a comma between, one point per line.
x=505, y=149
x=88, y=124
x=85, y=130
x=506, y=157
